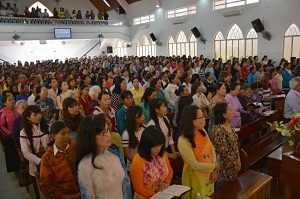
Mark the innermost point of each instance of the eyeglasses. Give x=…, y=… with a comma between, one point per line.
x=200, y=117
x=104, y=132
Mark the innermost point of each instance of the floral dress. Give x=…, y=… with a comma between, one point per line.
x=211, y=107
x=48, y=109
x=226, y=145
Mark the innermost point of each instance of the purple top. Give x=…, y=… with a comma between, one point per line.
x=237, y=109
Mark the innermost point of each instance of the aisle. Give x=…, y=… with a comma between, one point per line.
x=9, y=187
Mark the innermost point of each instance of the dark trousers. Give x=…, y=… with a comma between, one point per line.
x=11, y=158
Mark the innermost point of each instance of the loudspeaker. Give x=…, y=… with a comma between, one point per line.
x=153, y=37
x=257, y=25
x=196, y=32
x=121, y=10
x=109, y=49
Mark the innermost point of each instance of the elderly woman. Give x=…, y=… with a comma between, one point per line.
x=292, y=100
x=94, y=92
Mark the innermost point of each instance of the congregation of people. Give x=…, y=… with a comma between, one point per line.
x=112, y=127
x=62, y=13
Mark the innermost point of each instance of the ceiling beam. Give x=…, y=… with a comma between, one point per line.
x=124, y=5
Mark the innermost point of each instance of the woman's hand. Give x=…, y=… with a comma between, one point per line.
x=237, y=166
x=163, y=186
x=172, y=155
x=217, y=167
x=213, y=177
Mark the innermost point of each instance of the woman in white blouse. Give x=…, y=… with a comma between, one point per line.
x=199, y=99
x=34, y=137
x=158, y=112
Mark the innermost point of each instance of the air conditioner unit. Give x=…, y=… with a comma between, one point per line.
x=179, y=21
x=232, y=13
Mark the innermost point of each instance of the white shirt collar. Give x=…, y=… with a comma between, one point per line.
x=56, y=150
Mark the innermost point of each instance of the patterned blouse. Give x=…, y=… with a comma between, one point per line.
x=48, y=109
x=226, y=144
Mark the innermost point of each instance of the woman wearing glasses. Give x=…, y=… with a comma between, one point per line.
x=101, y=168
x=200, y=165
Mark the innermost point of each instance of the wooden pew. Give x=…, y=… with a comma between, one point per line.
x=250, y=185
x=262, y=145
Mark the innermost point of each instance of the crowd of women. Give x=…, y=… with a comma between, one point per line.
x=99, y=127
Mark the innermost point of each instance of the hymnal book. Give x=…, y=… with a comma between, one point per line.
x=254, y=105
x=171, y=192
x=279, y=96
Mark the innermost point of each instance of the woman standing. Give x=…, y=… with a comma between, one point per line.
x=84, y=98
x=120, y=86
x=199, y=99
x=158, y=112
x=149, y=95
x=220, y=92
x=231, y=98
x=137, y=91
x=8, y=114
x=200, y=166
x=150, y=170
x=101, y=171
x=34, y=137
x=132, y=135
x=156, y=83
x=71, y=116
x=105, y=107
x=58, y=179
x=225, y=140
x=53, y=90
x=47, y=106
x=63, y=87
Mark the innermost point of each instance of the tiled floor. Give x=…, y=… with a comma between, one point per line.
x=9, y=187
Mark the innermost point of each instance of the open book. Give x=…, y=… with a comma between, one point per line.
x=171, y=192
x=254, y=105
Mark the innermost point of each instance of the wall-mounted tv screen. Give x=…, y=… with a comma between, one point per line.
x=62, y=33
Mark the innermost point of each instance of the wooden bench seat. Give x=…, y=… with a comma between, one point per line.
x=263, y=140
x=250, y=185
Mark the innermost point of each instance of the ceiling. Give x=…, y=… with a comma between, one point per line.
x=100, y=5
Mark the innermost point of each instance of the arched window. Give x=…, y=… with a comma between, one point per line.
x=183, y=47
x=220, y=46
x=235, y=43
x=138, y=47
x=291, y=42
x=41, y=6
x=251, y=43
x=145, y=48
x=193, y=46
x=172, y=47
x=120, y=49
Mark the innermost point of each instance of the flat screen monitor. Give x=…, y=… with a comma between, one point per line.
x=62, y=33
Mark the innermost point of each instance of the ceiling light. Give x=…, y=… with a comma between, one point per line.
x=157, y=6
x=106, y=3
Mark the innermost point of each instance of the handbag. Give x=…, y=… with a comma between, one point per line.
x=24, y=178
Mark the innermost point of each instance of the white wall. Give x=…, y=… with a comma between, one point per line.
x=277, y=16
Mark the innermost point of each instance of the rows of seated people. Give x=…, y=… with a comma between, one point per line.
x=87, y=115
x=62, y=13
